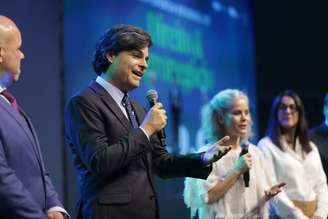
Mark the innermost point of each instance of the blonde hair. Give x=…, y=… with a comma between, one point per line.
x=218, y=106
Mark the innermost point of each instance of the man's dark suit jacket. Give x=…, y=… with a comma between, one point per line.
x=115, y=162
x=319, y=135
x=26, y=191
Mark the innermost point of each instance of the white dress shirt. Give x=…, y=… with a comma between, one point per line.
x=114, y=92
x=303, y=173
x=117, y=95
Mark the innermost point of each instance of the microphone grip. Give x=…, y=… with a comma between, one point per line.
x=246, y=174
x=162, y=137
x=246, y=178
x=161, y=133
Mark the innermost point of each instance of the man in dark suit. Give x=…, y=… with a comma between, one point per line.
x=116, y=151
x=26, y=190
x=319, y=135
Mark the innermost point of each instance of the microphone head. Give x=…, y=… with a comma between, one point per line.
x=152, y=96
x=244, y=143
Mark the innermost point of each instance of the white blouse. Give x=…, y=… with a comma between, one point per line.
x=238, y=201
x=303, y=173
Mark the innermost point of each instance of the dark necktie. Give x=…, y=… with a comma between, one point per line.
x=11, y=99
x=129, y=110
x=133, y=119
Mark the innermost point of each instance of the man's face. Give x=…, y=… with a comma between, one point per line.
x=11, y=56
x=127, y=68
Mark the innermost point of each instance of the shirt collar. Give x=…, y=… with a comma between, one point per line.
x=2, y=88
x=298, y=153
x=116, y=93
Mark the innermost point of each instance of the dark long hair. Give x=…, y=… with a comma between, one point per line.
x=274, y=129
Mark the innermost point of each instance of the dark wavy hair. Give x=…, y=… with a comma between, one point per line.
x=274, y=130
x=121, y=37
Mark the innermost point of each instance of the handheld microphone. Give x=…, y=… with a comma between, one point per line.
x=244, y=150
x=152, y=97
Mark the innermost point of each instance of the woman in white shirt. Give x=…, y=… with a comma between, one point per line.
x=293, y=158
x=224, y=194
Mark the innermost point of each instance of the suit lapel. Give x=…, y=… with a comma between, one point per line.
x=19, y=118
x=110, y=103
x=147, y=158
x=33, y=133
x=139, y=114
x=23, y=122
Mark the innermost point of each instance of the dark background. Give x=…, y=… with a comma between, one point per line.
x=291, y=53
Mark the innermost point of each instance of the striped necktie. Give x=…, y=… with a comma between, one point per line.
x=129, y=110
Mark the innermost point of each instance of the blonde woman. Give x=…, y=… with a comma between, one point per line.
x=224, y=193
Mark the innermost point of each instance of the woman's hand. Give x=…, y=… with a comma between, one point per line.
x=316, y=217
x=274, y=190
x=243, y=164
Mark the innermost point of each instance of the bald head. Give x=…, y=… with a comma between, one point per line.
x=7, y=28
x=10, y=53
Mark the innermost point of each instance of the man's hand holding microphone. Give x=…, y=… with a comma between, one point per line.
x=156, y=119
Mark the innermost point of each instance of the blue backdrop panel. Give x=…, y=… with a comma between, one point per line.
x=200, y=47
x=38, y=90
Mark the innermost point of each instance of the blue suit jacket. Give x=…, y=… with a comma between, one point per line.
x=26, y=190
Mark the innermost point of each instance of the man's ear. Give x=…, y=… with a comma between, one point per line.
x=2, y=53
x=110, y=57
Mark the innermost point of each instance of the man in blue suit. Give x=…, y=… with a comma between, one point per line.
x=26, y=190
